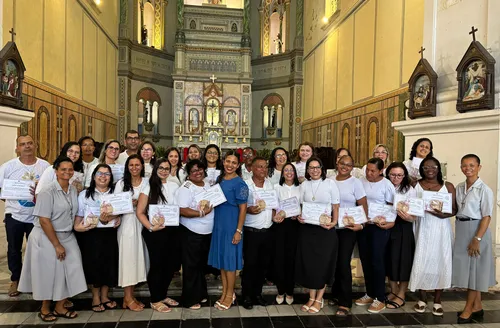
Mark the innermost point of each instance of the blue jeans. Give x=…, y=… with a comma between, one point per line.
x=15, y=234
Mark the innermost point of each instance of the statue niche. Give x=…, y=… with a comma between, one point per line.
x=212, y=112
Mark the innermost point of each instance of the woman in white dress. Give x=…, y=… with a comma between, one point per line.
x=473, y=262
x=109, y=154
x=147, y=151
x=420, y=150
x=306, y=151
x=432, y=264
x=52, y=268
x=131, y=259
x=177, y=174
x=278, y=159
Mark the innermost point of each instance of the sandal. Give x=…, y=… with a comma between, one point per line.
x=160, y=307
x=110, y=304
x=47, y=317
x=305, y=308
x=195, y=307
x=420, y=307
x=170, y=302
x=437, y=310
x=393, y=304
x=131, y=307
x=13, y=292
x=68, y=304
x=139, y=303
x=342, y=312
x=67, y=315
x=333, y=302
x=98, y=308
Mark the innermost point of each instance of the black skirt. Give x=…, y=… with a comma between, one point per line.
x=316, y=256
x=400, y=251
x=100, y=256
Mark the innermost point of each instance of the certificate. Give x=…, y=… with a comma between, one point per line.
x=92, y=214
x=351, y=215
x=290, y=206
x=118, y=171
x=381, y=213
x=316, y=213
x=437, y=201
x=120, y=203
x=212, y=176
x=410, y=205
x=166, y=215
x=17, y=189
x=266, y=199
x=214, y=195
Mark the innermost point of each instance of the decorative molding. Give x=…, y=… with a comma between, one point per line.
x=146, y=50
x=14, y=117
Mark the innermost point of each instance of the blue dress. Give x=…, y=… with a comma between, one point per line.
x=223, y=254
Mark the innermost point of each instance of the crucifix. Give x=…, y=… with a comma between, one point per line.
x=473, y=32
x=213, y=78
x=421, y=52
x=13, y=34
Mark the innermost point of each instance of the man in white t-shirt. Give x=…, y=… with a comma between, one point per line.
x=257, y=243
x=132, y=141
x=19, y=213
x=246, y=168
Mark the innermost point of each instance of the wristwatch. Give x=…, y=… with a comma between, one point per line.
x=478, y=238
x=240, y=231
x=150, y=229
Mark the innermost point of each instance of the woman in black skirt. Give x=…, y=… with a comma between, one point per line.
x=317, y=244
x=99, y=244
x=401, y=245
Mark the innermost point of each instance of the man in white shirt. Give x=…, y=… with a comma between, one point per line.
x=246, y=168
x=132, y=141
x=19, y=213
x=257, y=243
x=87, y=144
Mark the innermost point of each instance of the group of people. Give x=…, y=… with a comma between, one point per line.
x=65, y=253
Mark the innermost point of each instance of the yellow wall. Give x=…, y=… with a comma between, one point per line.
x=68, y=46
x=369, y=49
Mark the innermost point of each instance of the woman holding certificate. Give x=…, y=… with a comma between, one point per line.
x=52, y=268
x=373, y=239
x=285, y=235
x=213, y=162
x=473, y=262
x=317, y=242
x=162, y=242
x=432, y=264
x=401, y=246
x=278, y=159
x=420, y=150
x=196, y=224
x=226, y=248
x=131, y=260
x=352, y=195
x=109, y=154
x=99, y=238
x=147, y=151
x=306, y=151
x=177, y=174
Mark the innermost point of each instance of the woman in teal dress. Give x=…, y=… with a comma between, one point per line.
x=226, y=248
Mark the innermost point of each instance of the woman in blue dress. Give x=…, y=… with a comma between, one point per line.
x=226, y=248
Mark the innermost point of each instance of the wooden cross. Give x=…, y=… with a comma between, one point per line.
x=13, y=34
x=213, y=78
x=421, y=52
x=473, y=32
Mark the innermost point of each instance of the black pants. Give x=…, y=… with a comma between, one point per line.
x=285, y=245
x=15, y=230
x=164, y=258
x=372, y=243
x=342, y=287
x=195, y=249
x=257, y=247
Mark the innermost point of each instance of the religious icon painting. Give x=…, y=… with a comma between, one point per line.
x=476, y=78
x=11, y=76
x=422, y=89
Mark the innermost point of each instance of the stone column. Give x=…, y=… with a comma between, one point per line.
x=123, y=28
x=299, y=25
x=245, y=39
x=165, y=24
x=180, y=37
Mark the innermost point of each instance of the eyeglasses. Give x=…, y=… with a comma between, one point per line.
x=161, y=168
x=428, y=168
x=103, y=174
x=345, y=164
x=247, y=155
x=399, y=176
x=147, y=150
x=288, y=171
x=193, y=170
x=113, y=148
x=133, y=138
x=280, y=155
x=75, y=152
x=380, y=152
x=312, y=168
x=214, y=153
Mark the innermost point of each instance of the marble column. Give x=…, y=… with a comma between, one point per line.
x=245, y=39
x=299, y=25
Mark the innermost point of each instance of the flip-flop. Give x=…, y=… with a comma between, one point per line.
x=394, y=304
x=67, y=315
x=107, y=306
x=437, y=310
x=420, y=307
x=44, y=317
x=342, y=312
x=97, y=308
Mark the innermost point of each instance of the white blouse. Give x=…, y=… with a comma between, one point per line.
x=351, y=190
x=185, y=198
x=319, y=191
x=476, y=203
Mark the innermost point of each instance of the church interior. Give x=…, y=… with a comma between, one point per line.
x=264, y=74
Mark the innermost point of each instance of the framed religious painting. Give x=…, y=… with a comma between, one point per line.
x=12, y=76
x=422, y=89
x=476, y=78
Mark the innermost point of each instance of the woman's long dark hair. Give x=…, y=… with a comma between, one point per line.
x=405, y=183
x=296, y=181
x=435, y=160
x=179, y=161
x=218, y=164
x=153, y=159
x=155, y=184
x=91, y=189
x=78, y=165
x=272, y=161
x=223, y=171
x=413, y=151
x=127, y=177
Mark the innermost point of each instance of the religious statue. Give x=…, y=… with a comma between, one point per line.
x=144, y=35
x=146, y=112
x=278, y=43
x=193, y=119
x=273, y=117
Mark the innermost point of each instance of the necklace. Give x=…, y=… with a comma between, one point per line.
x=69, y=202
x=314, y=192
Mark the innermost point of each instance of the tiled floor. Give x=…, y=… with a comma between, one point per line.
x=23, y=313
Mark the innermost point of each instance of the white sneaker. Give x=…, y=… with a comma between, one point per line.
x=365, y=300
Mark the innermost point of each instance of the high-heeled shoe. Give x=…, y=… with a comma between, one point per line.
x=280, y=299
x=305, y=308
x=314, y=309
x=289, y=300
